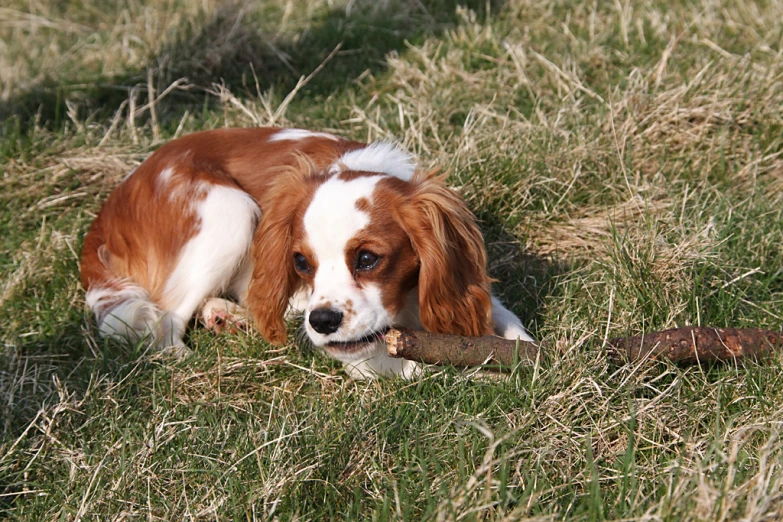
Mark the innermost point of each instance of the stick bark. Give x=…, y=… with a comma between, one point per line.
x=688, y=345
x=699, y=344
x=458, y=350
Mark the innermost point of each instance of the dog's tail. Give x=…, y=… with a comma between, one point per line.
x=122, y=308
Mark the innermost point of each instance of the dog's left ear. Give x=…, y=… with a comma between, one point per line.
x=274, y=279
x=454, y=288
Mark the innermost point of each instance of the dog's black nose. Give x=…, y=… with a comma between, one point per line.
x=326, y=320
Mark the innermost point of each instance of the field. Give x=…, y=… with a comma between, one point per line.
x=624, y=158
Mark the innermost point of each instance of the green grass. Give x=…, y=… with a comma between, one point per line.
x=625, y=160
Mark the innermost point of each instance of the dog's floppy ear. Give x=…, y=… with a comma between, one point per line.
x=454, y=288
x=274, y=279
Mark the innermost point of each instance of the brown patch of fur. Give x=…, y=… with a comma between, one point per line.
x=139, y=232
x=350, y=175
x=426, y=236
x=363, y=205
x=397, y=270
x=298, y=244
x=274, y=278
x=454, y=288
x=348, y=312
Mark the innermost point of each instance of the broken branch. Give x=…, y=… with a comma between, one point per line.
x=687, y=345
x=699, y=344
x=458, y=350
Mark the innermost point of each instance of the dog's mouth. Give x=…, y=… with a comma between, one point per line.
x=356, y=345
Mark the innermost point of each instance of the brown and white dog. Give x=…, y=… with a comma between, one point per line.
x=282, y=220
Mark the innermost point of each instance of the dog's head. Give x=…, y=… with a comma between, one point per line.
x=367, y=249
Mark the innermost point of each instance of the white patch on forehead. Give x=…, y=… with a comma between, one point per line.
x=382, y=157
x=330, y=222
x=300, y=134
x=332, y=218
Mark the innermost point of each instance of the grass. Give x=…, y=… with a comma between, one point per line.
x=625, y=159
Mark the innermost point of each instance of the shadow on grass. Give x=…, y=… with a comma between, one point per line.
x=42, y=372
x=524, y=279
x=240, y=46
x=44, y=383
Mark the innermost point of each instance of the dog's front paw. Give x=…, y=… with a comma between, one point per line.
x=220, y=314
x=515, y=332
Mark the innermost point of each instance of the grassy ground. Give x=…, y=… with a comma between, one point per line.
x=626, y=161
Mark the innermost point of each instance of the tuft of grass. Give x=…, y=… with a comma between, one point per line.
x=625, y=161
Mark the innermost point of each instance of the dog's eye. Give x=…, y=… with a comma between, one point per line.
x=366, y=260
x=301, y=264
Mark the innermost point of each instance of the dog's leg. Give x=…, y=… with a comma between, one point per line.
x=211, y=259
x=506, y=324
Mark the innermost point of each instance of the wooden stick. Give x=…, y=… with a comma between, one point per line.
x=698, y=344
x=687, y=345
x=458, y=350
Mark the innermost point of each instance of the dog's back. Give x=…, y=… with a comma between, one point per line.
x=177, y=229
